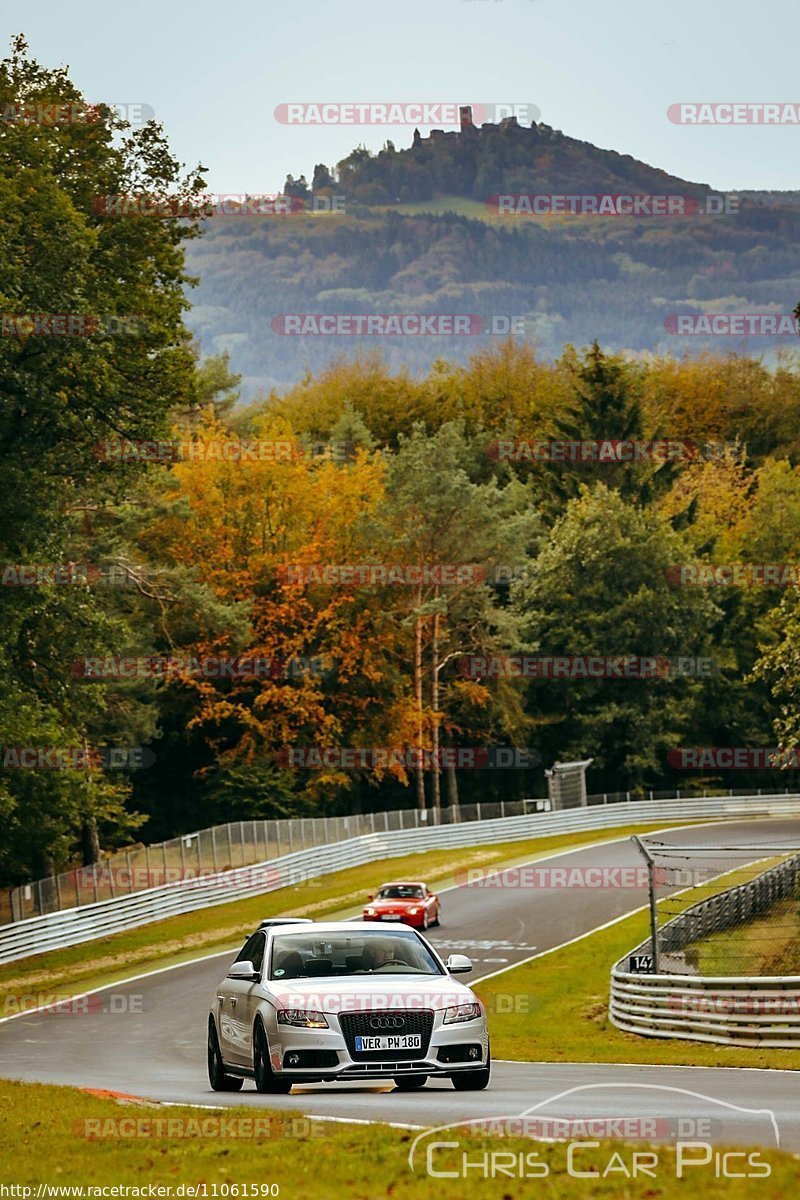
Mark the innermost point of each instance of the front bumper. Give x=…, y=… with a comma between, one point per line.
x=416, y=922
x=459, y=1046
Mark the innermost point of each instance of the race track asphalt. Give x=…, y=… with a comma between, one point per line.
x=154, y=1045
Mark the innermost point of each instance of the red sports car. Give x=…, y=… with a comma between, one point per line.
x=410, y=903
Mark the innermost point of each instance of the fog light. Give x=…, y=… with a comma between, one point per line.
x=474, y=1052
x=294, y=1060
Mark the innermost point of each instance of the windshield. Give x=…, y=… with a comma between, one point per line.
x=401, y=891
x=333, y=955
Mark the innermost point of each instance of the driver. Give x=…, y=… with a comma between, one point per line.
x=378, y=954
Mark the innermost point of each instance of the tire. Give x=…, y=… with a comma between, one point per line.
x=473, y=1081
x=410, y=1083
x=424, y=922
x=266, y=1079
x=438, y=922
x=218, y=1078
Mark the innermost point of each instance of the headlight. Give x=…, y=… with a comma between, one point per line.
x=369, y=912
x=303, y=1018
x=412, y=912
x=461, y=1012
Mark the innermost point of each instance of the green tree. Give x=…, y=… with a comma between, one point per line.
x=600, y=587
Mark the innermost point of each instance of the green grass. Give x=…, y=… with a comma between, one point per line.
x=182, y=938
x=555, y=1007
x=43, y=1140
x=437, y=206
x=768, y=945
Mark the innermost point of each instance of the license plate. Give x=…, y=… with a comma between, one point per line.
x=391, y=917
x=391, y=1041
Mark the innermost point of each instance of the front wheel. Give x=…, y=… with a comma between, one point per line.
x=217, y=1076
x=410, y=1083
x=473, y=1081
x=266, y=1079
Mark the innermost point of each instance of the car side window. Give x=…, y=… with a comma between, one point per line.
x=253, y=951
x=258, y=950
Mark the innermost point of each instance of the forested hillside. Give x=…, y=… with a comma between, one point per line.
x=417, y=236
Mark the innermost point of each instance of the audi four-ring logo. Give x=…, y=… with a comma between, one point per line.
x=387, y=1022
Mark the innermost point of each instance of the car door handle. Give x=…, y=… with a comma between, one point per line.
x=233, y=1002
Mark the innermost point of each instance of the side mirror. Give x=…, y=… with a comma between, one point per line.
x=370, y=895
x=457, y=964
x=244, y=970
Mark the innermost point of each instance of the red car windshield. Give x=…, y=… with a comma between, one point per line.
x=401, y=891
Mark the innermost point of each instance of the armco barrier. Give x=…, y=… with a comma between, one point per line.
x=731, y=1010
x=71, y=926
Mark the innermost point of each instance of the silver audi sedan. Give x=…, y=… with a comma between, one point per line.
x=338, y=1001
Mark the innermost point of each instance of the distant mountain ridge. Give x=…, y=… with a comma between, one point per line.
x=480, y=161
x=417, y=236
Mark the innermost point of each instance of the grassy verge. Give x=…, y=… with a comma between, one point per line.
x=43, y=1140
x=555, y=1007
x=180, y=939
x=768, y=945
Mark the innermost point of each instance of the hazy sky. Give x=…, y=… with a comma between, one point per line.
x=604, y=72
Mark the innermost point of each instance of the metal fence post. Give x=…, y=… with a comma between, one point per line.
x=651, y=889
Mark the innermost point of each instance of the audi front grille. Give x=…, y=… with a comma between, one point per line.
x=397, y=1021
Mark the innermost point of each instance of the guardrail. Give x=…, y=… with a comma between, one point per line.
x=72, y=926
x=731, y=1010
x=244, y=843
